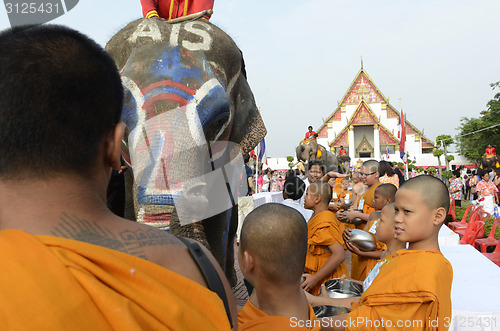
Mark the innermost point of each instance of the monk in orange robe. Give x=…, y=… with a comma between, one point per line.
x=68, y=262
x=384, y=195
x=385, y=234
x=370, y=177
x=325, y=255
x=413, y=289
x=72, y=285
x=277, y=302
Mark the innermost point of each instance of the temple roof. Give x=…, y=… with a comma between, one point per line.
x=363, y=92
x=362, y=88
x=363, y=115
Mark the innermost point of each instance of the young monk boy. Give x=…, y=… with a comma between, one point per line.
x=325, y=255
x=370, y=177
x=273, y=260
x=413, y=289
x=386, y=234
x=384, y=195
x=358, y=188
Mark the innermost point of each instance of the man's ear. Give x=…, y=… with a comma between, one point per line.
x=249, y=262
x=439, y=216
x=113, y=147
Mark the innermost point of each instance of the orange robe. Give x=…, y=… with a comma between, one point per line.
x=252, y=318
x=323, y=230
x=413, y=287
x=366, y=264
x=61, y=284
x=358, y=266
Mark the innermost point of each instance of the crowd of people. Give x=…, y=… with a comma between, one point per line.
x=301, y=243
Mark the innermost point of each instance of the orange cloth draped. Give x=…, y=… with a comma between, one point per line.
x=323, y=230
x=252, y=318
x=358, y=266
x=61, y=284
x=412, y=287
x=366, y=264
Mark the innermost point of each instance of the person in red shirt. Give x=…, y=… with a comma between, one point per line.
x=490, y=151
x=310, y=134
x=342, y=151
x=170, y=9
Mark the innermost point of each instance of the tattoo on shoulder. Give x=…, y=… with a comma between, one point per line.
x=131, y=242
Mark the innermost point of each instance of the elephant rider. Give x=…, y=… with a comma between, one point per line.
x=170, y=9
x=70, y=260
x=490, y=151
x=310, y=135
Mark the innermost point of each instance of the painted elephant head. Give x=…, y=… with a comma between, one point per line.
x=189, y=112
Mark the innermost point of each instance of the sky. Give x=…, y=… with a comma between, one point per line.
x=435, y=58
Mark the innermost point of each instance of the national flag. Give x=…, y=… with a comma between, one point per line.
x=402, y=135
x=261, y=151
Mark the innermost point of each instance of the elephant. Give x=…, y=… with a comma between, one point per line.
x=309, y=151
x=190, y=114
x=489, y=162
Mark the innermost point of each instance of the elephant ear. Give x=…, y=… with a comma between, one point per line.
x=248, y=127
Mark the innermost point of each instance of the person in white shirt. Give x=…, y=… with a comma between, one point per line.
x=293, y=189
x=314, y=173
x=266, y=181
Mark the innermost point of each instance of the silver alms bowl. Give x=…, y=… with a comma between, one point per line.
x=347, y=289
x=363, y=240
x=327, y=311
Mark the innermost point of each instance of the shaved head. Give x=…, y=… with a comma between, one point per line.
x=373, y=165
x=432, y=191
x=387, y=190
x=277, y=236
x=323, y=189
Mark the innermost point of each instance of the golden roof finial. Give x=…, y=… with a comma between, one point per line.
x=361, y=62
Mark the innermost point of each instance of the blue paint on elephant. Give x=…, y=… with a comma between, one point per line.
x=169, y=64
x=129, y=112
x=214, y=106
x=169, y=90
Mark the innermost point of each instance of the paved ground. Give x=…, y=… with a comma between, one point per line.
x=240, y=290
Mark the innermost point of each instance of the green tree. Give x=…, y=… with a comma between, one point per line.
x=445, y=140
x=437, y=153
x=471, y=143
x=431, y=170
x=290, y=159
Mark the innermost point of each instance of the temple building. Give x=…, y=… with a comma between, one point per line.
x=366, y=125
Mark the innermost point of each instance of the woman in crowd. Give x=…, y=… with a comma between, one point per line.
x=456, y=188
x=387, y=174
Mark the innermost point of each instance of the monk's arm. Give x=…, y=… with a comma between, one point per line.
x=333, y=261
x=372, y=254
x=352, y=214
